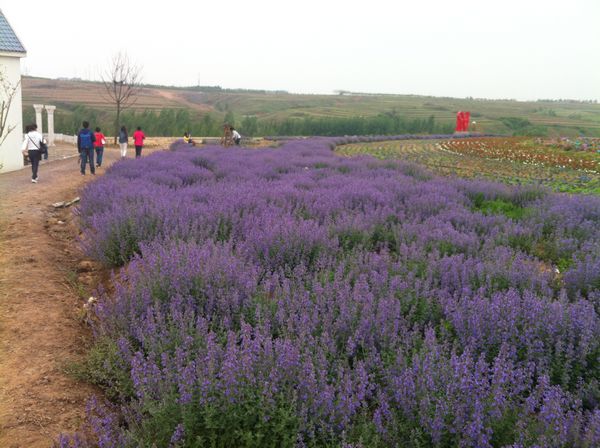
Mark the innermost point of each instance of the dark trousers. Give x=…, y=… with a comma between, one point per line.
x=99, y=154
x=34, y=159
x=138, y=151
x=87, y=154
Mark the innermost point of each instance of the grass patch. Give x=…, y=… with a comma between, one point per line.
x=104, y=368
x=499, y=206
x=79, y=288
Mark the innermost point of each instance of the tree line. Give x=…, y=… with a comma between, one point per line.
x=174, y=122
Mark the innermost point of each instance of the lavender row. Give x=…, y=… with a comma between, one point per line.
x=289, y=297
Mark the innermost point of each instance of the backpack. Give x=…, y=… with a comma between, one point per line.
x=85, y=140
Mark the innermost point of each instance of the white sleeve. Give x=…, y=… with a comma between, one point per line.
x=24, y=145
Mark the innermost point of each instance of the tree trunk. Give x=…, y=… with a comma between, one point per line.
x=117, y=127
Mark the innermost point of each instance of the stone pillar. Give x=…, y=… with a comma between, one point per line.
x=50, y=111
x=38, y=117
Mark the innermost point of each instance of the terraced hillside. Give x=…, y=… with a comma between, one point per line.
x=557, y=118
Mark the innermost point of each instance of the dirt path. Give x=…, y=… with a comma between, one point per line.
x=41, y=325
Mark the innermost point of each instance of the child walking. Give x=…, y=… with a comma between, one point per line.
x=138, y=141
x=99, y=146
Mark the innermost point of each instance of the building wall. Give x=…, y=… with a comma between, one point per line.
x=10, y=151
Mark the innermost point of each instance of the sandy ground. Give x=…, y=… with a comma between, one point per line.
x=44, y=281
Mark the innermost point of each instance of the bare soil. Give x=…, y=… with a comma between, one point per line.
x=44, y=283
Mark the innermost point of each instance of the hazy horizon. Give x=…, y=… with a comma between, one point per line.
x=510, y=50
x=333, y=93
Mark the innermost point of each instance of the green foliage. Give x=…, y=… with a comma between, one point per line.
x=250, y=125
x=76, y=285
x=521, y=242
x=446, y=248
x=381, y=124
x=229, y=118
x=174, y=122
x=499, y=206
x=103, y=367
x=571, y=373
x=249, y=422
x=167, y=122
x=350, y=239
x=522, y=126
x=122, y=244
x=533, y=131
x=364, y=433
x=515, y=123
x=224, y=229
x=505, y=429
x=420, y=310
x=499, y=282
x=383, y=236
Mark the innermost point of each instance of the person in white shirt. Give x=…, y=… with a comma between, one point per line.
x=32, y=144
x=236, y=136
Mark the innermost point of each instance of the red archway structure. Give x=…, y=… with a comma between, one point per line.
x=462, y=121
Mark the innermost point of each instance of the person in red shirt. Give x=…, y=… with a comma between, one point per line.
x=138, y=141
x=99, y=146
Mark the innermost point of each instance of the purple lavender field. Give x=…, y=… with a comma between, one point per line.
x=293, y=298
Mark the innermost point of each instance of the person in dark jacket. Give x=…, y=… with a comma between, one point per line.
x=123, y=141
x=85, y=145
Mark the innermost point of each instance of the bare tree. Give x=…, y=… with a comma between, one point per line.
x=8, y=91
x=122, y=83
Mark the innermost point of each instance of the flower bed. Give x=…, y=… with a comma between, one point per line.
x=522, y=149
x=514, y=160
x=292, y=297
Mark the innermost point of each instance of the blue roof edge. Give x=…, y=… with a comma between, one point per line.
x=13, y=44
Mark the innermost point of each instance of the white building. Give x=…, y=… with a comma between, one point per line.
x=11, y=52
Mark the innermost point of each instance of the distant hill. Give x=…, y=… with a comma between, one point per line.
x=74, y=97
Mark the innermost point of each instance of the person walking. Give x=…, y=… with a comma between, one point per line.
x=138, y=141
x=32, y=144
x=99, y=142
x=45, y=153
x=85, y=145
x=123, y=137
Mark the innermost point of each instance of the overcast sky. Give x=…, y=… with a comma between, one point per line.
x=523, y=49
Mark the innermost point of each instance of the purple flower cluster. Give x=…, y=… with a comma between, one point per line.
x=290, y=297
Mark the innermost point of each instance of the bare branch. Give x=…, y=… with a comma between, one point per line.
x=121, y=81
x=122, y=84
x=8, y=91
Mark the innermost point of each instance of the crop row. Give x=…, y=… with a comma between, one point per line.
x=443, y=157
x=292, y=297
x=522, y=150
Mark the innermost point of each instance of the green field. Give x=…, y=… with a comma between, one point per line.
x=435, y=155
x=550, y=118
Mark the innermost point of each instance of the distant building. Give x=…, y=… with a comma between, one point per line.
x=11, y=52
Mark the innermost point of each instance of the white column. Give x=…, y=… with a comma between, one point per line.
x=50, y=111
x=38, y=117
